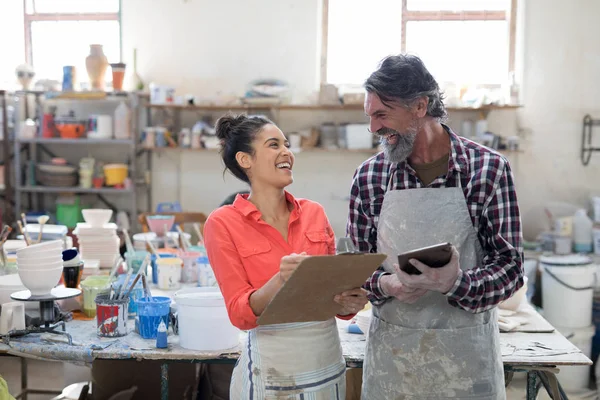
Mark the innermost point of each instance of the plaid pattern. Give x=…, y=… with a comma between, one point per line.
x=489, y=190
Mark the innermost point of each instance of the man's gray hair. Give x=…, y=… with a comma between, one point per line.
x=403, y=79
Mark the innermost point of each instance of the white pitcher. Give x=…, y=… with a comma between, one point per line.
x=12, y=317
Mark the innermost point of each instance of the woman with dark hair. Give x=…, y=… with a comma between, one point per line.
x=254, y=245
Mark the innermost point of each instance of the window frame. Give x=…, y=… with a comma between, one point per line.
x=509, y=15
x=57, y=17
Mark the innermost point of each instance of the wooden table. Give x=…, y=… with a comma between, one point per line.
x=536, y=351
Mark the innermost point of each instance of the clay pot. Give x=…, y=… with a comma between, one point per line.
x=96, y=64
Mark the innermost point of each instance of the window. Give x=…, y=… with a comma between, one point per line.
x=59, y=33
x=460, y=41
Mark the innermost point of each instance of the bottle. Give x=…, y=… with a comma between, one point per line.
x=122, y=122
x=161, y=336
x=582, y=232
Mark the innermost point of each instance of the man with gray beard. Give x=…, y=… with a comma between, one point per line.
x=433, y=335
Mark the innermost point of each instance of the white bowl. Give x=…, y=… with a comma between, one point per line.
x=514, y=302
x=40, y=281
x=42, y=266
x=40, y=256
x=53, y=245
x=96, y=217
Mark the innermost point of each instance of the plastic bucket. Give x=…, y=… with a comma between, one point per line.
x=190, y=266
x=577, y=379
x=150, y=312
x=155, y=267
x=203, y=321
x=91, y=287
x=568, y=290
x=169, y=273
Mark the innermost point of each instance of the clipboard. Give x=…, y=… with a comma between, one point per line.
x=308, y=293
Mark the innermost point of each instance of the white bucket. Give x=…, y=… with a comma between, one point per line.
x=568, y=290
x=203, y=321
x=577, y=379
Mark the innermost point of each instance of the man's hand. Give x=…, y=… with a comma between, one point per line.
x=435, y=279
x=392, y=286
x=352, y=300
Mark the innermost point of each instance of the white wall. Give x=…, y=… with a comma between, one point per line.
x=561, y=84
x=209, y=47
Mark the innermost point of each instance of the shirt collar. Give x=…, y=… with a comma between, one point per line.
x=458, y=157
x=246, y=208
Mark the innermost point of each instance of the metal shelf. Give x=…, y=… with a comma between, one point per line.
x=72, y=189
x=29, y=150
x=129, y=142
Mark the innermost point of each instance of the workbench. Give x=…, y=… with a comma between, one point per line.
x=537, y=354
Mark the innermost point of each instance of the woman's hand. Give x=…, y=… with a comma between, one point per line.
x=352, y=300
x=289, y=264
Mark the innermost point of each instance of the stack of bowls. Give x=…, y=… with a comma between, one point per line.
x=40, y=266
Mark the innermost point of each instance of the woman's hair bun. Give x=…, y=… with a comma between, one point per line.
x=227, y=124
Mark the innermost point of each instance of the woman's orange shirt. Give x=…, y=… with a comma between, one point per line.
x=245, y=252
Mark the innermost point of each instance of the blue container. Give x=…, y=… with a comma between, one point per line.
x=150, y=312
x=136, y=293
x=154, y=268
x=68, y=83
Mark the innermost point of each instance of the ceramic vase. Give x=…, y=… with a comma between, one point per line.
x=96, y=64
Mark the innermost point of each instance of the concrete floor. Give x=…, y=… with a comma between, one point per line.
x=54, y=375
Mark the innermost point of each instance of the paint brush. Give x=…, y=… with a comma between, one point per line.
x=42, y=220
x=25, y=237
x=24, y=229
x=128, y=244
x=147, y=292
x=137, y=276
x=150, y=247
x=185, y=245
x=200, y=237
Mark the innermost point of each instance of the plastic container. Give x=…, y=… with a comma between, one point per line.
x=577, y=379
x=91, y=287
x=596, y=235
x=582, y=232
x=568, y=289
x=190, y=266
x=155, y=267
x=122, y=122
x=563, y=244
x=115, y=174
x=203, y=322
x=169, y=273
x=206, y=276
x=150, y=312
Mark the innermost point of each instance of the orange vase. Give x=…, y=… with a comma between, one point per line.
x=96, y=64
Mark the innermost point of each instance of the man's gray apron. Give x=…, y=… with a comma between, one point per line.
x=430, y=349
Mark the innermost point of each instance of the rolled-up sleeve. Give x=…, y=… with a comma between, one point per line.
x=230, y=274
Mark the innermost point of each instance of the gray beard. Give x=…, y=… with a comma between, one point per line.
x=400, y=151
